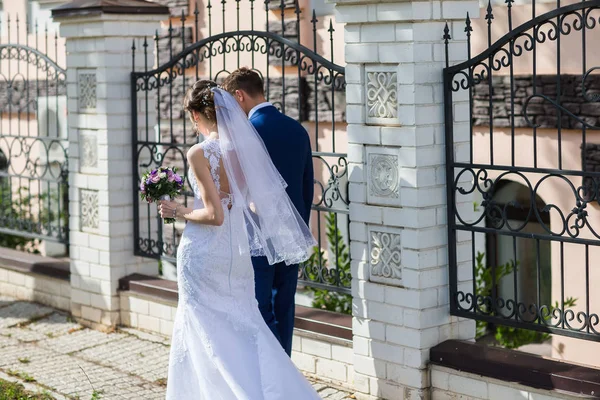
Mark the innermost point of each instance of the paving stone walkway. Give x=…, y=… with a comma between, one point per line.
x=48, y=352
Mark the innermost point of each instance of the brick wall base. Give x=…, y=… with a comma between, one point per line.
x=450, y=384
x=49, y=291
x=315, y=354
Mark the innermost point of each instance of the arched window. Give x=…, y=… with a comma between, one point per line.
x=527, y=261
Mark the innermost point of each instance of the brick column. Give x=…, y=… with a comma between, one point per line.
x=395, y=55
x=99, y=63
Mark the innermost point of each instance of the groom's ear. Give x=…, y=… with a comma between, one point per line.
x=239, y=95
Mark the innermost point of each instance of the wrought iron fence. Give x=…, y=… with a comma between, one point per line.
x=299, y=81
x=523, y=212
x=33, y=137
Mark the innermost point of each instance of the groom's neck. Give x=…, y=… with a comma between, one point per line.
x=254, y=101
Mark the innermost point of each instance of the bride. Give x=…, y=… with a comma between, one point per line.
x=221, y=347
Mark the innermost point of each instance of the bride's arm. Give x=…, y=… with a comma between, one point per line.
x=212, y=213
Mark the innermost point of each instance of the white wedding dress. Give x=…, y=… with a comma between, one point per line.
x=221, y=347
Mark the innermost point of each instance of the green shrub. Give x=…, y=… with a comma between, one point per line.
x=506, y=336
x=327, y=299
x=17, y=213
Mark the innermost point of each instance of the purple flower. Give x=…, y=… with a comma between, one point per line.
x=155, y=178
x=170, y=176
x=143, y=186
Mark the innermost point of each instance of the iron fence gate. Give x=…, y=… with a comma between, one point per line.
x=33, y=138
x=523, y=186
x=298, y=81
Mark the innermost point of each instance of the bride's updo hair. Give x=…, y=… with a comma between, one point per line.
x=201, y=99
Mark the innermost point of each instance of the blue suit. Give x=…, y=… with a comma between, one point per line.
x=288, y=145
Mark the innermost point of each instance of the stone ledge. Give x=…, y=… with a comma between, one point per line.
x=517, y=367
x=93, y=7
x=323, y=322
x=32, y=263
x=326, y=323
x=163, y=289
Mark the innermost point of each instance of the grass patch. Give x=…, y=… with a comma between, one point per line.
x=32, y=320
x=16, y=391
x=24, y=360
x=21, y=375
x=96, y=395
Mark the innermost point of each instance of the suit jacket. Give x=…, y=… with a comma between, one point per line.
x=288, y=145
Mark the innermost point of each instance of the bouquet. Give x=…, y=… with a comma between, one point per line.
x=162, y=183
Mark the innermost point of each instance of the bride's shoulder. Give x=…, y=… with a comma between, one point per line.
x=204, y=149
x=196, y=151
x=210, y=146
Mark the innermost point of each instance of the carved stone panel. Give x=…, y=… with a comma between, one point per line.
x=86, y=90
x=385, y=255
x=383, y=176
x=89, y=215
x=382, y=95
x=88, y=150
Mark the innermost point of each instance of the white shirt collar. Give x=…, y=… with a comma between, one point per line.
x=258, y=107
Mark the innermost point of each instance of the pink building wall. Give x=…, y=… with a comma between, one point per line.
x=552, y=191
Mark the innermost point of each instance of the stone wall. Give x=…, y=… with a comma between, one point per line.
x=326, y=100
x=287, y=4
x=23, y=94
x=590, y=160
x=591, y=157
x=540, y=112
x=176, y=7
x=175, y=41
x=289, y=30
x=329, y=104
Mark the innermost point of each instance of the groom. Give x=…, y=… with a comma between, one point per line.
x=288, y=145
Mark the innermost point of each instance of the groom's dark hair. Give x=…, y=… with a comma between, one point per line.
x=244, y=79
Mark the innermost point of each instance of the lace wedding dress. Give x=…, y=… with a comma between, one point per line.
x=221, y=347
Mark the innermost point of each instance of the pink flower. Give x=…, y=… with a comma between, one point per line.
x=149, y=199
x=171, y=176
x=155, y=179
x=143, y=186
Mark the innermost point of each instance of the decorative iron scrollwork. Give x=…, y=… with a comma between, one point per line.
x=161, y=137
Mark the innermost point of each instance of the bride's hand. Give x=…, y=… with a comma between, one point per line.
x=167, y=209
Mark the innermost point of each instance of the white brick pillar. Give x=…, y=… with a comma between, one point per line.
x=99, y=63
x=395, y=56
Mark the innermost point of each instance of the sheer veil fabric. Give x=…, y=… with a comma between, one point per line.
x=221, y=348
x=274, y=227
